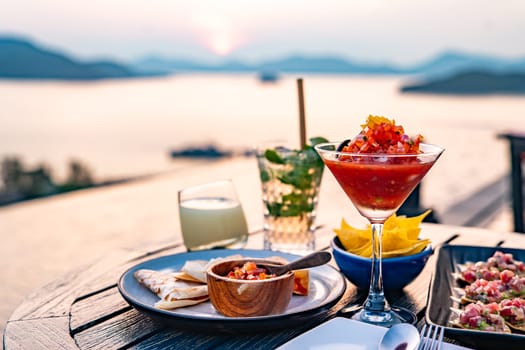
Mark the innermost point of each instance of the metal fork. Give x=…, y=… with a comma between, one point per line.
x=431, y=337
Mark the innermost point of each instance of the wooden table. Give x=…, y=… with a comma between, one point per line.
x=84, y=310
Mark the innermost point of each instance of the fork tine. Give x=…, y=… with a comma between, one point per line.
x=441, y=334
x=433, y=342
x=422, y=338
x=431, y=337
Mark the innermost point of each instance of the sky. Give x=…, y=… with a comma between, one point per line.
x=395, y=31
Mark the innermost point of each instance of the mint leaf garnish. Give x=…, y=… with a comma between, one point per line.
x=265, y=176
x=273, y=156
x=314, y=141
x=302, y=170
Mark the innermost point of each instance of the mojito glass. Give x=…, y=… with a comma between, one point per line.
x=290, y=182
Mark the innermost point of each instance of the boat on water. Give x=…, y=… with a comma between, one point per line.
x=268, y=77
x=209, y=151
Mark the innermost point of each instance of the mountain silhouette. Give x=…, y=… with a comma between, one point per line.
x=472, y=83
x=292, y=64
x=20, y=59
x=444, y=64
x=450, y=62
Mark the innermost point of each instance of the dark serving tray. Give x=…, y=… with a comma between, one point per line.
x=442, y=287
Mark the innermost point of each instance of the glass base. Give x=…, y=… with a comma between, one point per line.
x=396, y=315
x=300, y=243
x=298, y=249
x=231, y=243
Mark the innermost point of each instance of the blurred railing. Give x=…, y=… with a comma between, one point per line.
x=517, y=155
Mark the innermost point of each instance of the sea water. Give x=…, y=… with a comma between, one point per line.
x=127, y=127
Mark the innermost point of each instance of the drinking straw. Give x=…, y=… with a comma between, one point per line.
x=302, y=117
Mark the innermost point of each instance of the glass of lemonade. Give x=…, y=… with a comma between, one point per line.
x=211, y=216
x=290, y=182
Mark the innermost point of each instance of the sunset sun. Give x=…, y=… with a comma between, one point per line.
x=221, y=44
x=217, y=33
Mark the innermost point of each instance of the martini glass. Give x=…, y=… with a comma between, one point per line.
x=377, y=184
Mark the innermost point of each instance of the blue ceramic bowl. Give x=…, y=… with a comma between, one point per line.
x=397, y=272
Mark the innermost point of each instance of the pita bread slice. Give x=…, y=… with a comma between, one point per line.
x=196, y=269
x=171, y=290
x=184, y=276
x=154, y=280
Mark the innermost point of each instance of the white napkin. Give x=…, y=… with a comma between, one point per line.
x=341, y=333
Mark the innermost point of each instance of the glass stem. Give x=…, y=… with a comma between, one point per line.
x=376, y=301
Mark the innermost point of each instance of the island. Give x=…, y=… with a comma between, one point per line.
x=21, y=59
x=206, y=151
x=472, y=83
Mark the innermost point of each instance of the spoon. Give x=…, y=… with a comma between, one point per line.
x=401, y=336
x=310, y=260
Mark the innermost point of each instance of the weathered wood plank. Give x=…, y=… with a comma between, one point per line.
x=174, y=339
x=438, y=234
x=263, y=340
x=43, y=333
x=55, y=299
x=95, y=308
x=514, y=241
x=118, y=332
x=110, y=277
x=477, y=237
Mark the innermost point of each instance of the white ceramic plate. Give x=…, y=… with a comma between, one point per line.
x=342, y=333
x=327, y=285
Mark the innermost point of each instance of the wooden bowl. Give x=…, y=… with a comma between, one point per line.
x=242, y=298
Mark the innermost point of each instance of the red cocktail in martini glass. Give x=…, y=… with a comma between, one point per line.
x=377, y=184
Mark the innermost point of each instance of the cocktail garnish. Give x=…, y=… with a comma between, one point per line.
x=300, y=170
x=382, y=135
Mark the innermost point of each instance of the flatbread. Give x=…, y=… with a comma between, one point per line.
x=170, y=290
x=184, y=276
x=197, y=268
